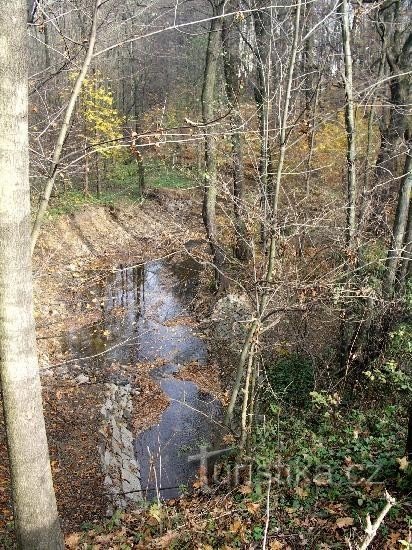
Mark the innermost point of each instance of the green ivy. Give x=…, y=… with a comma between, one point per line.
x=346, y=457
x=291, y=378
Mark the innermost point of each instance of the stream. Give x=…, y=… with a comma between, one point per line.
x=145, y=316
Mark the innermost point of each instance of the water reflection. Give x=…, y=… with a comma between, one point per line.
x=144, y=310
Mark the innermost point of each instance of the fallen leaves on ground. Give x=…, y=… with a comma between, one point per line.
x=403, y=463
x=342, y=523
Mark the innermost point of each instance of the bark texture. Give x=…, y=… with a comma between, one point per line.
x=208, y=110
x=405, y=268
x=248, y=350
x=262, y=24
x=350, y=126
x=399, y=228
x=232, y=70
x=35, y=511
x=395, y=29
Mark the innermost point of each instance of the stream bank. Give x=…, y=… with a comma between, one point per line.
x=147, y=327
x=87, y=301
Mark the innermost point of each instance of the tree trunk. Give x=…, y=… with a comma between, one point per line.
x=96, y=139
x=141, y=179
x=246, y=350
x=255, y=327
x=35, y=512
x=232, y=80
x=312, y=87
x=98, y=180
x=409, y=436
x=46, y=46
x=312, y=134
x=399, y=226
x=406, y=264
x=308, y=62
x=64, y=130
x=262, y=24
x=392, y=137
x=283, y=143
x=397, y=42
x=350, y=226
x=350, y=126
x=210, y=180
x=139, y=157
x=86, y=189
x=363, y=215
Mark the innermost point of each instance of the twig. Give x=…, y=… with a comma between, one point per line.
x=372, y=529
x=267, y=513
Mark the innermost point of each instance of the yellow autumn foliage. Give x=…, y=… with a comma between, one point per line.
x=331, y=144
x=103, y=122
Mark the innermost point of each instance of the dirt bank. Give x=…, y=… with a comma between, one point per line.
x=76, y=250
x=75, y=254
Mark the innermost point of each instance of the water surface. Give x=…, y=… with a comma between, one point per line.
x=145, y=319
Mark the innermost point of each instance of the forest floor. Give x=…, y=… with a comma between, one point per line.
x=76, y=252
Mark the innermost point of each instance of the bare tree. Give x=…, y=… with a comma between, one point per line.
x=233, y=80
x=44, y=202
x=246, y=360
x=399, y=228
x=395, y=29
x=350, y=125
x=35, y=512
x=208, y=102
x=263, y=31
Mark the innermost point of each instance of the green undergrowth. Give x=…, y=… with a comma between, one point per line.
x=159, y=175
x=70, y=201
x=123, y=189
x=322, y=463
x=290, y=379
x=345, y=455
x=321, y=471
x=121, y=186
x=330, y=468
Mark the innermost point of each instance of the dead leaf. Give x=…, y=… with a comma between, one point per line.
x=276, y=545
x=245, y=489
x=403, y=463
x=321, y=480
x=253, y=507
x=228, y=439
x=392, y=541
x=301, y=492
x=344, y=522
x=236, y=526
x=72, y=540
x=55, y=466
x=166, y=540
x=106, y=538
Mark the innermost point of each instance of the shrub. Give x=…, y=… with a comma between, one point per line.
x=291, y=378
